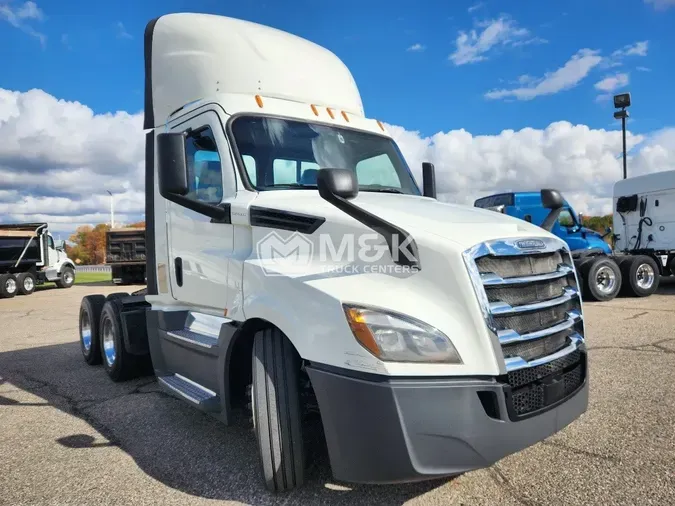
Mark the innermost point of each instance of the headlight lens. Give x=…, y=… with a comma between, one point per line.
x=395, y=337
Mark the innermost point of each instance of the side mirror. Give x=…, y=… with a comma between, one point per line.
x=551, y=199
x=337, y=182
x=171, y=163
x=60, y=245
x=429, y=180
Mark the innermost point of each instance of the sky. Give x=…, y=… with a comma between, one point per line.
x=498, y=95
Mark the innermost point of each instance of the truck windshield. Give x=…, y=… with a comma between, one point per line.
x=282, y=154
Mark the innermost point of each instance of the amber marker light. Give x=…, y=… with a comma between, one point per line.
x=357, y=322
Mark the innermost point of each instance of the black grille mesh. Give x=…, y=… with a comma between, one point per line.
x=529, y=350
x=531, y=398
x=531, y=374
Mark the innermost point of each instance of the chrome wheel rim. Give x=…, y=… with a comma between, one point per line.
x=68, y=277
x=28, y=284
x=645, y=276
x=605, y=279
x=10, y=285
x=109, y=343
x=85, y=331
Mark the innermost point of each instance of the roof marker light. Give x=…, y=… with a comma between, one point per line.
x=380, y=125
x=314, y=110
x=330, y=113
x=259, y=101
x=344, y=115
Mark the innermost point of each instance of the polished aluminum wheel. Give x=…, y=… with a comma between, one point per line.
x=605, y=279
x=85, y=331
x=109, y=350
x=645, y=276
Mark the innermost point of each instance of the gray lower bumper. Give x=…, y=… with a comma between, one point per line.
x=389, y=431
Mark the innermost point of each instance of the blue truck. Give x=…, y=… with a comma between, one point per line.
x=602, y=272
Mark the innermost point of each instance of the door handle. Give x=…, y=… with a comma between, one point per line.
x=178, y=264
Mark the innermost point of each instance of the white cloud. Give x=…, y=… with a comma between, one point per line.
x=611, y=83
x=475, y=7
x=122, y=31
x=581, y=162
x=58, y=158
x=566, y=77
x=473, y=46
x=638, y=49
x=18, y=15
x=643, y=69
x=661, y=5
x=416, y=48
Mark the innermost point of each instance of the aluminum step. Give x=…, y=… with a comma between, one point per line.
x=196, y=338
x=192, y=392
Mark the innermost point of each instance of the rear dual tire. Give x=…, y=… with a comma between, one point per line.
x=276, y=407
x=26, y=282
x=601, y=278
x=8, y=286
x=641, y=275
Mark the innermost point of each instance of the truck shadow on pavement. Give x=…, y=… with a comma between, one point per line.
x=173, y=443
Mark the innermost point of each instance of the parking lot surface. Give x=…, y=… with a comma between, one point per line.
x=69, y=435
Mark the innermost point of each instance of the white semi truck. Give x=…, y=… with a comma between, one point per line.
x=450, y=338
x=29, y=257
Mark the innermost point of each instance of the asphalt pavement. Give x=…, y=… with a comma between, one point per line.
x=70, y=436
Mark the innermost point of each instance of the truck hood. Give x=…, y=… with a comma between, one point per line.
x=463, y=225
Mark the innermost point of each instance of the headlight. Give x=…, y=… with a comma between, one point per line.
x=399, y=338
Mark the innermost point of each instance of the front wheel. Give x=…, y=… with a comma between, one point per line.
x=275, y=402
x=601, y=278
x=67, y=278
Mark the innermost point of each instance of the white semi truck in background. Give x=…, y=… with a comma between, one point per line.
x=462, y=343
x=29, y=257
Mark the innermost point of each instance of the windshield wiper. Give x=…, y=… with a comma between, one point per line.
x=293, y=185
x=380, y=189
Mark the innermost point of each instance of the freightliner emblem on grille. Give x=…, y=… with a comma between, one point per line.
x=530, y=244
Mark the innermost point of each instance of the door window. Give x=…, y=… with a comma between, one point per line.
x=50, y=242
x=565, y=219
x=205, y=176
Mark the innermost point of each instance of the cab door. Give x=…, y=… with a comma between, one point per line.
x=200, y=247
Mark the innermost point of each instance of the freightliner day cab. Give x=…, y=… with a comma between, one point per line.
x=461, y=344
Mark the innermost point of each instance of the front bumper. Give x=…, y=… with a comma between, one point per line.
x=384, y=430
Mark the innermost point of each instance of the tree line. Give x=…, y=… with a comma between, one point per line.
x=88, y=243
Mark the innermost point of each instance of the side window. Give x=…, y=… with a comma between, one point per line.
x=565, y=219
x=528, y=218
x=377, y=170
x=284, y=171
x=249, y=162
x=50, y=242
x=205, y=177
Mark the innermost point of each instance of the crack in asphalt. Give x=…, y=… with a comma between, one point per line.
x=503, y=481
x=79, y=407
x=579, y=451
x=641, y=347
x=612, y=306
x=636, y=315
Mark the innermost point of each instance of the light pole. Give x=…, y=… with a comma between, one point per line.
x=112, y=210
x=621, y=102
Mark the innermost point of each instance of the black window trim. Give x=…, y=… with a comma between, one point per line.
x=242, y=168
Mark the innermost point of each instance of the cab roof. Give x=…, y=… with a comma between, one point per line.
x=190, y=57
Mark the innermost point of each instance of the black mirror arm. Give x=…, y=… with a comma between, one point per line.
x=409, y=254
x=551, y=219
x=219, y=213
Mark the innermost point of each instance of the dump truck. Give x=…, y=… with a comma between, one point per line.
x=125, y=254
x=29, y=257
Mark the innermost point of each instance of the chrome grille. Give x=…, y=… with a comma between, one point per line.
x=530, y=299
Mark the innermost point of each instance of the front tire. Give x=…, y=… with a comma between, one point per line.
x=640, y=276
x=601, y=279
x=275, y=402
x=67, y=278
